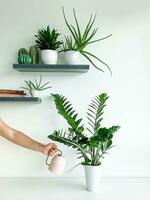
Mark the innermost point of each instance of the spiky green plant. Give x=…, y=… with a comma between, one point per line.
x=78, y=41
x=92, y=148
x=47, y=39
x=36, y=85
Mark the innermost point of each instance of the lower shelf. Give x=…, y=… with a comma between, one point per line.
x=21, y=99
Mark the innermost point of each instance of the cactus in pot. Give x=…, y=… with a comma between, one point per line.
x=34, y=54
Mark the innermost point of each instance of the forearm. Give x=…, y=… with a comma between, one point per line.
x=23, y=140
x=19, y=138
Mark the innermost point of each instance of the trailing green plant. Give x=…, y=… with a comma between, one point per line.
x=94, y=146
x=36, y=85
x=79, y=40
x=48, y=39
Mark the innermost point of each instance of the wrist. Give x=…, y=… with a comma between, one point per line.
x=41, y=147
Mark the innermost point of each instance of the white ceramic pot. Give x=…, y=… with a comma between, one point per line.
x=49, y=56
x=35, y=93
x=72, y=57
x=92, y=176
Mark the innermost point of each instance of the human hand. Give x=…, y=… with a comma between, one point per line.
x=49, y=149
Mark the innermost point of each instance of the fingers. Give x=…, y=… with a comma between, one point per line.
x=51, y=152
x=53, y=145
x=50, y=149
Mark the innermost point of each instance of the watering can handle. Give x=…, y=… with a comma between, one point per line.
x=60, y=154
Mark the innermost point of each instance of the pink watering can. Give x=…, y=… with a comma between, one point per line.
x=57, y=164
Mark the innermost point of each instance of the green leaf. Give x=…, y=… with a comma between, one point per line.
x=95, y=111
x=65, y=109
x=87, y=57
x=90, y=54
x=69, y=27
x=100, y=39
x=77, y=24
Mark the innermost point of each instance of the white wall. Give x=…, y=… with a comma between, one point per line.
x=127, y=53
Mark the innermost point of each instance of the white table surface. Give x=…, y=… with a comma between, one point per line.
x=73, y=189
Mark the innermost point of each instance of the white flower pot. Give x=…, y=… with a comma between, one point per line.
x=72, y=57
x=93, y=177
x=35, y=93
x=49, y=56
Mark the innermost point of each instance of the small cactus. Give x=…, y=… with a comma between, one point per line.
x=22, y=51
x=24, y=59
x=34, y=54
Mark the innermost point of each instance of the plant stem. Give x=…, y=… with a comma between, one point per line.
x=82, y=151
x=97, y=158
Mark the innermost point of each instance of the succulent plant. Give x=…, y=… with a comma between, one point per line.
x=48, y=39
x=36, y=85
x=24, y=59
x=22, y=51
x=34, y=54
x=78, y=40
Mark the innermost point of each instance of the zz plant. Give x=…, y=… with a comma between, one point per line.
x=93, y=146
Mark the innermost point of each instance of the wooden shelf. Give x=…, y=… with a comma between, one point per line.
x=51, y=68
x=21, y=99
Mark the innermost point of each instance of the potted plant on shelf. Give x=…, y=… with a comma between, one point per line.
x=76, y=43
x=36, y=87
x=92, y=147
x=47, y=41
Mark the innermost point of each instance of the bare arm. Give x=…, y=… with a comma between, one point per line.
x=23, y=140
